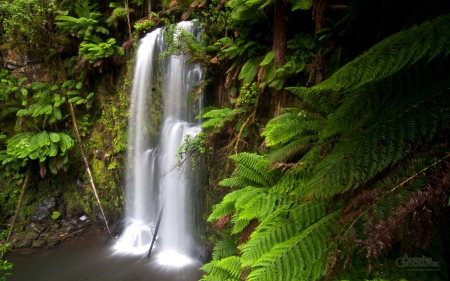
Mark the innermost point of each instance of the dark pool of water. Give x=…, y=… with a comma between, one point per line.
x=85, y=258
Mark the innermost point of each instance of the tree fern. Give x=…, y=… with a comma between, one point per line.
x=287, y=221
x=392, y=54
x=285, y=127
x=223, y=249
x=251, y=169
x=387, y=119
x=215, y=119
x=296, y=147
x=354, y=162
x=227, y=269
x=298, y=258
x=263, y=205
x=404, y=48
x=379, y=124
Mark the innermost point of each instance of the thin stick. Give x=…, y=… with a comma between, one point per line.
x=156, y=231
x=74, y=121
x=19, y=203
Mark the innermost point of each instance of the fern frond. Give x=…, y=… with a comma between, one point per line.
x=298, y=146
x=302, y=257
x=238, y=181
x=228, y=269
x=251, y=169
x=281, y=225
x=217, y=118
x=223, y=249
x=227, y=206
x=354, y=162
x=301, y=4
x=250, y=69
x=293, y=123
x=262, y=205
x=238, y=224
x=256, y=178
x=392, y=54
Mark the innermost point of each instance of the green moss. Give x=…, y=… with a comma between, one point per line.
x=157, y=105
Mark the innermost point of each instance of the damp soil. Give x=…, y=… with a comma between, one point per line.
x=88, y=257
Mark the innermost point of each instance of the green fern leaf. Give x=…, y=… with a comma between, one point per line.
x=301, y=4
x=223, y=249
x=287, y=221
x=302, y=257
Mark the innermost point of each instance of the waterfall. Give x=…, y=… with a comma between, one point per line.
x=160, y=117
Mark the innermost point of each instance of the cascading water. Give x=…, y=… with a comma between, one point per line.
x=160, y=87
x=159, y=118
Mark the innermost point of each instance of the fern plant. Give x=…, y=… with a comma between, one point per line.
x=95, y=49
x=86, y=24
x=89, y=26
x=215, y=119
x=291, y=134
x=365, y=158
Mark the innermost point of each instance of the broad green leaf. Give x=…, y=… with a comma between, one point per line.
x=67, y=83
x=268, y=58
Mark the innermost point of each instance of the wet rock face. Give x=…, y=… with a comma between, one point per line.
x=50, y=232
x=16, y=58
x=36, y=72
x=43, y=210
x=26, y=63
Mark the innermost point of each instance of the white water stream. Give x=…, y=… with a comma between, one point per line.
x=150, y=186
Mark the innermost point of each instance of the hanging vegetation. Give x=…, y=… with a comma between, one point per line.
x=325, y=139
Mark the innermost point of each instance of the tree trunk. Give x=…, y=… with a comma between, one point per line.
x=74, y=121
x=279, y=33
x=19, y=203
x=279, y=49
x=149, y=9
x=130, y=34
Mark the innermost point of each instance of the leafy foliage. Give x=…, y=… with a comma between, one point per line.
x=215, y=118
x=96, y=49
x=89, y=26
x=38, y=109
x=4, y=264
x=86, y=24
x=371, y=138
x=37, y=145
x=24, y=22
x=244, y=9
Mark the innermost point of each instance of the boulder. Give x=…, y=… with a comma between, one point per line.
x=15, y=58
x=35, y=72
x=43, y=210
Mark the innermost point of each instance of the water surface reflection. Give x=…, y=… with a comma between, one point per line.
x=85, y=258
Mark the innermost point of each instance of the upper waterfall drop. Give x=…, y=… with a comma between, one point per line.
x=160, y=117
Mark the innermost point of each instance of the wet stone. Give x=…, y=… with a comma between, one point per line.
x=38, y=243
x=43, y=210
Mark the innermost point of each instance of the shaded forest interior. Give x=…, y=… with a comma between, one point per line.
x=324, y=146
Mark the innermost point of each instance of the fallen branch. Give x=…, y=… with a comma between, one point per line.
x=156, y=231
x=180, y=163
x=19, y=203
x=74, y=121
